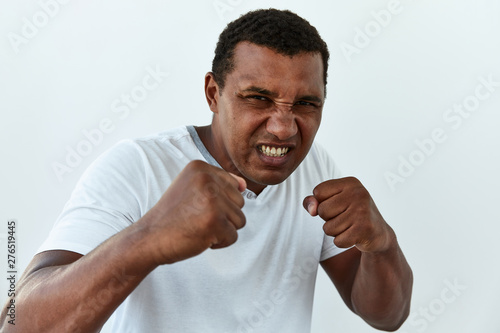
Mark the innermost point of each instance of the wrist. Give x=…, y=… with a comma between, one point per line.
x=140, y=240
x=387, y=246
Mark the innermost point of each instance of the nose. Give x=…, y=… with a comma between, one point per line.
x=282, y=124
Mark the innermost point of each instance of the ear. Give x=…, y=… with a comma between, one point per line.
x=211, y=92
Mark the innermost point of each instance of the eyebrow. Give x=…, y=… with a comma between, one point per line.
x=311, y=98
x=267, y=92
x=259, y=90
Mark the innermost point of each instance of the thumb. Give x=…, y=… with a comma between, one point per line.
x=311, y=205
x=242, y=184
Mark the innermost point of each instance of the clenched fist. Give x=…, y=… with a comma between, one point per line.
x=201, y=209
x=350, y=215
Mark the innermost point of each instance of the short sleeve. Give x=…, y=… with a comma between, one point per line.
x=330, y=249
x=105, y=201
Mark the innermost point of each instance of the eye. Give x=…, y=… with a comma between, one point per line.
x=258, y=97
x=304, y=103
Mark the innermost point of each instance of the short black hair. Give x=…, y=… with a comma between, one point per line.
x=280, y=30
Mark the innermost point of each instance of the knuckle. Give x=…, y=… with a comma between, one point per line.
x=320, y=189
x=321, y=210
x=227, y=237
x=317, y=191
x=340, y=242
x=328, y=228
x=195, y=165
x=353, y=180
x=232, y=238
x=203, y=178
x=243, y=220
x=363, y=194
x=240, y=201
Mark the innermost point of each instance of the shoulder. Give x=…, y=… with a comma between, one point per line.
x=133, y=159
x=158, y=142
x=163, y=145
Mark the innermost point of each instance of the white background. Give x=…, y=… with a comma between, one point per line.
x=395, y=90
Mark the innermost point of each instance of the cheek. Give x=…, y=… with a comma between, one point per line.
x=308, y=127
x=247, y=123
x=236, y=134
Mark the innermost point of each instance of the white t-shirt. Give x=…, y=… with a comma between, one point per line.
x=262, y=283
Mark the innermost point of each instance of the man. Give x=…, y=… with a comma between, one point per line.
x=203, y=229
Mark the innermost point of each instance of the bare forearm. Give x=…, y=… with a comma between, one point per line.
x=382, y=289
x=65, y=292
x=80, y=297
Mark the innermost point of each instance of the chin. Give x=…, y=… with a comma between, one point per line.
x=270, y=179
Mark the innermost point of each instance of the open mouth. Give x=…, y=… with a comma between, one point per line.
x=273, y=151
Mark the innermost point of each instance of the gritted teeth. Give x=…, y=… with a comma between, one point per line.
x=273, y=151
